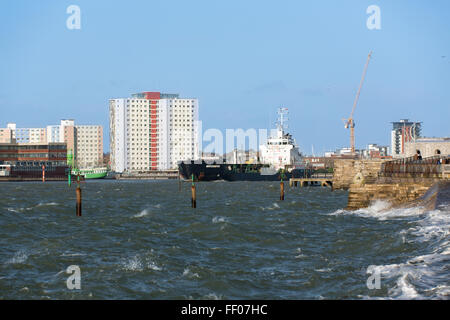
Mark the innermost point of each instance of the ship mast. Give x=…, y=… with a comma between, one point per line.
x=282, y=118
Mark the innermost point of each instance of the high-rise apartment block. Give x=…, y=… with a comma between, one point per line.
x=152, y=131
x=402, y=132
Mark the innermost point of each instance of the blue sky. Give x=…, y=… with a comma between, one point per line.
x=241, y=59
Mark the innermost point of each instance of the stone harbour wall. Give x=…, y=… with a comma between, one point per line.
x=362, y=195
x=349, y=171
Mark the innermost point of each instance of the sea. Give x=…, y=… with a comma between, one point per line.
x=143, y=240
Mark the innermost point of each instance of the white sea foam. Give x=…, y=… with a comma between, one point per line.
x=133, y=264
x=300, y=254
x=273, y=207
x=41, y=204
x=218, y=219
x=139, y=263
x=189, y=274
x=141, y=214
x=382, y=210
x=324, y=270
x=151, y=265
x=19, y=257
x=72, y=254
x=213, y=296
x=423, y=276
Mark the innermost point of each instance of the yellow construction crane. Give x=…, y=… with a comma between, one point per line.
x=350, y=123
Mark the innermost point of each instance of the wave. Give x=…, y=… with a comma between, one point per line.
x=18, y=258
x=218, y=219
x=382, y=210
x=138, y=263
x=273, y=207
x=141, y=214
x=189, y=274
x=41, y=204
x=424, y=276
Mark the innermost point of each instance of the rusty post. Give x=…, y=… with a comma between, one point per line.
x=78, y=191
x=194, y=194
x=281, y=190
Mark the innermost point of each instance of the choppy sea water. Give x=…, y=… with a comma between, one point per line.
x=142, y=240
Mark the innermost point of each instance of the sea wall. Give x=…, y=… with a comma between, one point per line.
x=362, y=195
x=361, y=179
x=429, y=195
x=349, y=171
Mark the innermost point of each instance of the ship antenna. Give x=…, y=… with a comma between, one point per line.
x=282, y=118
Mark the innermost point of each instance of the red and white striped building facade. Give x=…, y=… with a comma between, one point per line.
x=152, y=131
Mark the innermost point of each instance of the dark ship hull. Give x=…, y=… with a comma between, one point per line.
x=201, y=171
x=235, y=172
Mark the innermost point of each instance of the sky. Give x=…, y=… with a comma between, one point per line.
x=241, y=59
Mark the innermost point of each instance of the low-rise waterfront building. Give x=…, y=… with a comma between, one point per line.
x=85, y=142
x=428, y=147
x=33, y=153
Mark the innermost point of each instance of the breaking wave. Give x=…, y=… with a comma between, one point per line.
x=139, y=263
x=424, y=276
x=141, y=214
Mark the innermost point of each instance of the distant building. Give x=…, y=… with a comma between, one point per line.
x=345, y=152
x=428, y=147
x=28, y=135
x=33, y=154
x=85, y=142
x=65, y=132
x=89, y=145
x=152, y=131
x=6, y=136
x=402, y=132
x=375, y=151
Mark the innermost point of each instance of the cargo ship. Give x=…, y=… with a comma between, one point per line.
x=280, y=159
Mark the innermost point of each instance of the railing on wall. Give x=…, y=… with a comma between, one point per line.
x=411, y=167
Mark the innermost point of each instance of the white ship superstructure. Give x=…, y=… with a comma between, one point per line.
x=280, y=150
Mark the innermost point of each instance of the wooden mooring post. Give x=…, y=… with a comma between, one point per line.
x=78, y=192
x=194, y=194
